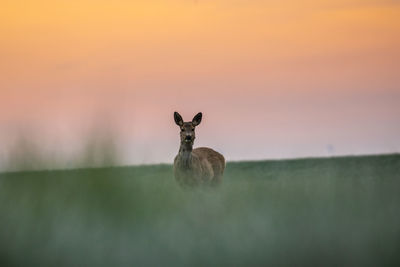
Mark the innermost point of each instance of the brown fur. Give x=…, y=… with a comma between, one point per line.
x=200, y=166
x=206, y=166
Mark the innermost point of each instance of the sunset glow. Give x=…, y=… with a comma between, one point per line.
x=273, y=78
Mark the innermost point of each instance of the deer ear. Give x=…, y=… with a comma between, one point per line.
x=197, y=119
x=178, y=119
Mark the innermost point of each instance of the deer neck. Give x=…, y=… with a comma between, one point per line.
x=185, y=152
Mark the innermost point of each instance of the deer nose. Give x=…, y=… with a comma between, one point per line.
x=188, y=137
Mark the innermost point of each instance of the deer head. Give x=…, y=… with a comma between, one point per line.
x=187, y=128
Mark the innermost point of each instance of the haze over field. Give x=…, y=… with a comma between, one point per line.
x=95, y=83
x=307, y=212
x=274, y=79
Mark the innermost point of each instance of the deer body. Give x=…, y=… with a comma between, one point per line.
x=196, y=166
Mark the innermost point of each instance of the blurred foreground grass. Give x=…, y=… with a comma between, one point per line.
x=334, y=211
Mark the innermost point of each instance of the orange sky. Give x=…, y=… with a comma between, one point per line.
x=273, y=78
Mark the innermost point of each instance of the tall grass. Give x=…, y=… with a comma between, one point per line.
x=27, y=151
x=335, y=211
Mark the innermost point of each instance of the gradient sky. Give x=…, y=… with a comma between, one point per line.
x=274, y=79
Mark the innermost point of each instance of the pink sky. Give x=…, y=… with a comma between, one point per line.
x=274, y=79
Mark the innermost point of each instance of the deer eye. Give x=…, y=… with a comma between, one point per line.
x=182, y=130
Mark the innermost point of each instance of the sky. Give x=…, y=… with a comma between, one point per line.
x=274, y=79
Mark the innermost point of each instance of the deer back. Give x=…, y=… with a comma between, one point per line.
x=206, y=166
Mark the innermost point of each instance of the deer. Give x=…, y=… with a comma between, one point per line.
x=199, y=166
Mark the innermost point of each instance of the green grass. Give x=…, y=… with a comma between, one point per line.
x=333, y=211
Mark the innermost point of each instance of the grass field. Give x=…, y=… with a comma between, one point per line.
x=331, y=211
